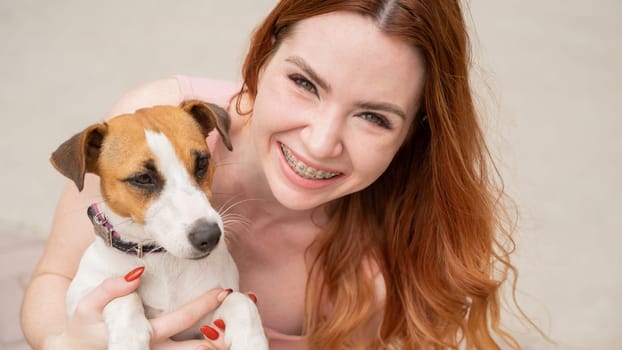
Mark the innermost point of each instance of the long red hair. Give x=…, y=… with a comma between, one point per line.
x=434, y=221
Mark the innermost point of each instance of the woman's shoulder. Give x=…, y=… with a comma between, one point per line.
x=174, y=90
x=215, y=91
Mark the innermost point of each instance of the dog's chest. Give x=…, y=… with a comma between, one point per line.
x=169, y=283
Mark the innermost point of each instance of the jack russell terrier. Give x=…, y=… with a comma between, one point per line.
x=155, y=172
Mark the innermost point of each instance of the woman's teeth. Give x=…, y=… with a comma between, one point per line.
x=303, y=170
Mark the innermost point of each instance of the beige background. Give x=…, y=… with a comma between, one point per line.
x=548, y=79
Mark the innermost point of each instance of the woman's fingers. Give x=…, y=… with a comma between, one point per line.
x=92, y=305
x=215, y=335
x=174, y=322
x=252, y=296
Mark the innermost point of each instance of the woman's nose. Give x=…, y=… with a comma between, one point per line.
x=323, y=136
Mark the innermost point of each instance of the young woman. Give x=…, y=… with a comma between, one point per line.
x=372, y=218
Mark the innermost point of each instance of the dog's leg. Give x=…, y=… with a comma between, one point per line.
x=128, y=328
x=244, y=328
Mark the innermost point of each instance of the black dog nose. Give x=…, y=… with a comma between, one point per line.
x=204, y=236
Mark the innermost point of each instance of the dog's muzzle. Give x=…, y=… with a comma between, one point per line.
x=204, y=236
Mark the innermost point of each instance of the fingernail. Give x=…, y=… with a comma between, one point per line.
x=253, y=297
x=222, y=295
x=134, y=274
x=220, y=324
x=209, y=332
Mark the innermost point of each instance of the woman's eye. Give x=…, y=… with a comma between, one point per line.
x=303, y=83
x=376, y=119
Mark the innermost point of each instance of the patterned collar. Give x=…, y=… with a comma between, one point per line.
x=103, y=228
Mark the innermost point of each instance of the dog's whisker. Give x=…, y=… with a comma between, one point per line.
x=226, y=204
x=228, y=222
x=238, y=230
x=234, y=216
x=233, y=236
x=232, y=222
x=224, y=210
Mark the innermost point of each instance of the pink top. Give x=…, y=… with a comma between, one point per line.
x=220, y=93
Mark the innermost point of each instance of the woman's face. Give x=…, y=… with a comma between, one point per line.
x=333, y=106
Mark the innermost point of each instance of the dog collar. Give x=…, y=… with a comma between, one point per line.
x=103, y=228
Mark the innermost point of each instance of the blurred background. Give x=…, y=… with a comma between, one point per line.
x=547, y=76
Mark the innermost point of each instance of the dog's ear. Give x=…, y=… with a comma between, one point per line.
x=210, y=116
x=79, y=154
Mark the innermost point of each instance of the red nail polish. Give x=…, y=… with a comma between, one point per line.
x=220, y=324
x=134, y=274
x=209, y=332
x=253, y=297
x=222, y=295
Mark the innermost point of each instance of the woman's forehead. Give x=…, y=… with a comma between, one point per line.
x=349, y=50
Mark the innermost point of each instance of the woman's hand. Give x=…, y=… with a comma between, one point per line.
x=86, y=328
x=167, y=325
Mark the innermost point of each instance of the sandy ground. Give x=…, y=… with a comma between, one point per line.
x=548, y=79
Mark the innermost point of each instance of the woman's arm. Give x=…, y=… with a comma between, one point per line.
x=44, y=310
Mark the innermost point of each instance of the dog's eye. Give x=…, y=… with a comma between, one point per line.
x=201, y=164
x=143, y=180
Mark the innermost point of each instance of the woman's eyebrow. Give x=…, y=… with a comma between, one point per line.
x=302, y=64
x=382, y=106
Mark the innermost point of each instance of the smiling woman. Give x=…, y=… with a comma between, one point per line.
x=365, y=212
x=430, y=221
x=326, y=111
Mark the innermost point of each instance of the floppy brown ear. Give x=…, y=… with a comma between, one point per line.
x=210, y=116
x=79, y=154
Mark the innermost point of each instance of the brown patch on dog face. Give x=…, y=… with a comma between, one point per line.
x=126, y=162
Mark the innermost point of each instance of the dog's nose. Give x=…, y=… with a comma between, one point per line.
x=204, y=236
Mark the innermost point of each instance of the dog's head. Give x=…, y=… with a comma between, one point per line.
x=155, y=168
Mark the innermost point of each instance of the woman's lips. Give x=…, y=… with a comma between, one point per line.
x=303, y=170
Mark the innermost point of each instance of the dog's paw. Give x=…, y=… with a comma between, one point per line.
x=244, y=328
x=128, y=328
x=135, y=337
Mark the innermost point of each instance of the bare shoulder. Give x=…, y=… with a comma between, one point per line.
x=372, y=270
x=159, y=92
